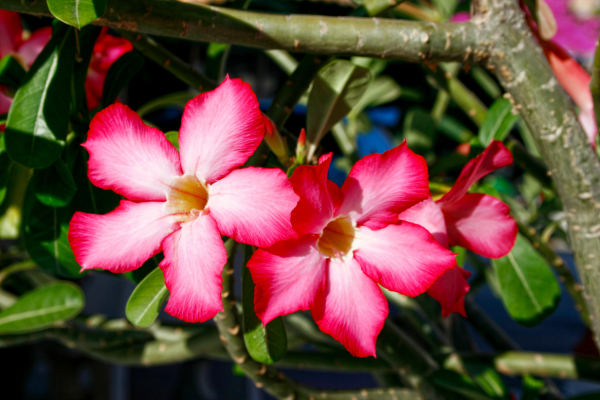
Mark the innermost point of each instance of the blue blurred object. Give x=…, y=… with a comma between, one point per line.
x=377, y=140
x=387, y=116
x=264, y=105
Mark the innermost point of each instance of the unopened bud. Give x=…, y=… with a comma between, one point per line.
x=274, y=140
x=301, y=147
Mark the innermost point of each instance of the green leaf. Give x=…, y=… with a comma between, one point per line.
x=266, y=345
x=336, y=90
x=458, y=383
x=488, y=379
x=54, y=186
x=46, y=237
x=177, y=99
x=39, y=116
x=216, y=56
x=173, y=137
x=460, y=256
x=382, y=90
x=42, y=307
x=419, y=130
x=147, y=299
x=77, y=13
x=119, y=75
x=11, y=72
x=532, y=388
x=529, y=289
x=498, y=122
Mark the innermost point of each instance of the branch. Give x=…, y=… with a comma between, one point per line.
x=522, y=69
x=175, y=65
x=371, y=37
x=544, y=364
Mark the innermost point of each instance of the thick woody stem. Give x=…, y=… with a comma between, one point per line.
x=544, y=365
x=523, y=71
x=371, y=37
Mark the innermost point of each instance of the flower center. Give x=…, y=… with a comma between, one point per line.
x=337, y=238
x=186, y=194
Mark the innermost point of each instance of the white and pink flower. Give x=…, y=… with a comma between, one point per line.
x=350, y=240
x=181, y=203
x=475, y=221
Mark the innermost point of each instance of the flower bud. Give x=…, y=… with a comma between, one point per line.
x=301, y=147
x=274, y=140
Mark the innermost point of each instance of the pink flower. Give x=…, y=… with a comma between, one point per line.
x=578, y=25
x=477, y=222
x=183, y=203
x=107, y=50
x=12, y=43
x=351, y=241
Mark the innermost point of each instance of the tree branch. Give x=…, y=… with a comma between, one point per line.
x=371, y=37
x=523, y=71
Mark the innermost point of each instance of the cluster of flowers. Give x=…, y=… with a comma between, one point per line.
x=26, y=47
x=321, y=247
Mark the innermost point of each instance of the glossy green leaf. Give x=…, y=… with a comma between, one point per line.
x=528, y=286
x=486, y=377
x=11, y=72
x=147, y=299
x=265, y=344
x=461, y=255
x=39, y=116
x=46, y=237
x=216, y=56
x=337, y=88
x=177, y=99
x=119, y=75
x=458, y=383
x=42, y=307
x=498, y=122
x=54, y=186
x=77, y=13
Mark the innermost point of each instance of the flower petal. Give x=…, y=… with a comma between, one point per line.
x=32, y=47
x=450, y=290
x=403, y=257
x=121, y=240
x=194, y=259
x=352, y=309
x=288, y=277
x=253, y=205
x=220, y=129
x=495, y=156
x=130, y=157
x=337, y=197
x=315, y=207
x=10, y=32
x=380, y=186
x=481, y=223
x=429, y=215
